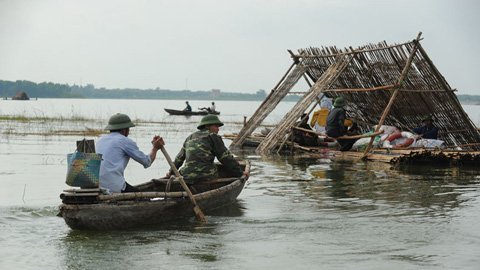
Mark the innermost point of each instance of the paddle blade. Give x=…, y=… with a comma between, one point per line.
x=199, y=214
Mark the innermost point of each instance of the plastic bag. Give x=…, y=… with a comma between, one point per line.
x=83, y=169
x=429, y=143
x=362, y=143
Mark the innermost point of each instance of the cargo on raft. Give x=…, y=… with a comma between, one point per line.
x=383, y=85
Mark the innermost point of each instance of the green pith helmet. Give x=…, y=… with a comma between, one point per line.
x=339, y=102
x=209, y=119
x=119, y=121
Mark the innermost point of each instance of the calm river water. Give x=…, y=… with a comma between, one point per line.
x=294, y=213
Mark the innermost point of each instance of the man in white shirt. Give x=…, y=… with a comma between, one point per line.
x=117, y=149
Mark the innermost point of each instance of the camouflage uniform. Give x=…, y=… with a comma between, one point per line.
x=199, y=151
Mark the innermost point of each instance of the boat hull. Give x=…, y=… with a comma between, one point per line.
x=132, y=214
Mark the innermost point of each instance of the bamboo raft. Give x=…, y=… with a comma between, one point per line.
x=255, y=139
x=416, y=156
x=396, y=157
x=383, y=84
x=419, y=156
x=160, y=201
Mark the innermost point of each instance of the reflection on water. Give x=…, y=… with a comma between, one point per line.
x=292, y=209
x=165, y=243
x=360, y=186
x=295, y=212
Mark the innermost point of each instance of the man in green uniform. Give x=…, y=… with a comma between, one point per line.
x=199, y=151
x=336, y=124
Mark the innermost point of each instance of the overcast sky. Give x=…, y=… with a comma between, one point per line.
x=238, y=46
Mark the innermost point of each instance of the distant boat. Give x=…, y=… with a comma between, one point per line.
x=179, y=112
x=21, y=96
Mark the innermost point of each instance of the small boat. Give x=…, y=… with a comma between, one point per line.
x=159, y=201
x=179, y=112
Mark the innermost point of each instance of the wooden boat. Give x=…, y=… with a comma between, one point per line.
x=160, y=201
x=179, y=112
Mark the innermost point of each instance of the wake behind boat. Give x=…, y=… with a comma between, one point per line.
x=181, y=112
x=160, y=201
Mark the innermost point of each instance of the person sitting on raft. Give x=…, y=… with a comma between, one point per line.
x=302, y=137
x=336, y=124
x=427, y=130
x=319, y=118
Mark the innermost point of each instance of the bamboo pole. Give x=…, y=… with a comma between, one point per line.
x=83, y=190
x=290, y=133
x=86, y=194
x=196, y=209
x=384, y=87
x=269, y=104
x=342, y=137
x=327, y=78
x=284, y=76
x=141, y=195
x=359, y=50
x=450, y=92
x=395, y=93
x=296, y=93
x=283, y=143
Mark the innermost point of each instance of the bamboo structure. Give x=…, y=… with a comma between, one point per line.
x=382, y=83
x=404, y=74
x=280, y=131
x=272, y=100
x=417, y=156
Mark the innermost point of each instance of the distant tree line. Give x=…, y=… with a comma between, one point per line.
x=54, y=90
x=40, y=90
x=469, y=99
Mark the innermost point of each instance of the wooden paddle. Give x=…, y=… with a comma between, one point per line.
x=198, y=212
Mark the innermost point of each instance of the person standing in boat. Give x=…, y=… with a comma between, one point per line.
x=427, y=130
x=336, y=124
x=188, y=108
x=199, y=151
x=117, y=149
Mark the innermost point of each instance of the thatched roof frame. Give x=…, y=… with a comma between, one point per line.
x=390, y=84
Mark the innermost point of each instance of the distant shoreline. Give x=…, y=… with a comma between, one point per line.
x=463, y=102
x=9, y=89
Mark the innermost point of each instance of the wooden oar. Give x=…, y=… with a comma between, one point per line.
x=198, y=212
